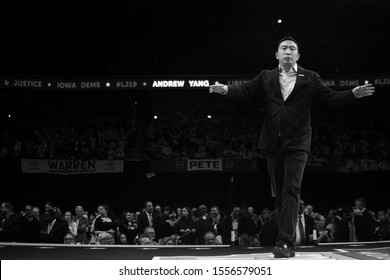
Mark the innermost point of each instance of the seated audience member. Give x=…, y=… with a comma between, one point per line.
x=209, y=238
x=10, y=225
x=143, y=239
x=320, y=234
x=69, y=239
x=29, y=227
x=123, y=239
x=152, y=234
x=56, y=230
x=105, y=238
x=166, y=241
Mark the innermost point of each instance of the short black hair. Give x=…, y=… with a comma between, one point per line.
x=287, y=38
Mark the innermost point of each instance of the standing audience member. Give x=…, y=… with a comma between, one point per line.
x=345, y=227
x=184, y=227
x=364, y=222
x=247, y=229
x=56, y=230
x=382, y=230
x=82, y=224
x=72, y=226
x=128, y=226
x=104, y=223
x=218, y=222
x=161, y=226
x=304, y=227
x=145, y=218
x=29, y=227
x=201, y=226
x=10, y=226
x=269, y=231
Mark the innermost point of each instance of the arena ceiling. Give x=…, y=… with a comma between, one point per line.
x=190, y=37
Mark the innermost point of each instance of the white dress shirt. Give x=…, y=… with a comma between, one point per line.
x=287, y=80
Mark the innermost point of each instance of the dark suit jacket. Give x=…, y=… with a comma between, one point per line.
x=309, y=227
x=10, y=229
x=291, y=119
x=364, y=226
x=57, y=233
x=202, y=226
x=142, y=221
x=29, y=230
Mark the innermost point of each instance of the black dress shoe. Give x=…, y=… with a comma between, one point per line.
x=282, y=250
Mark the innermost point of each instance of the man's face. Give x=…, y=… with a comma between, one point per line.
x=214, y=211
x=28, y=211
x=287, y=53
x=359, y=205
x=79, y=211
x=4, y=210
x=149, y=207
x=35, y=212
x=144, y=241
x=203, y=209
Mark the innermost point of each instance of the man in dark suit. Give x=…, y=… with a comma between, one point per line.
x=145, y=218
x=363, y=220
x=56, y=229
x=9, y=223
x=288, y=92
x=201, y=226
x=302, y=234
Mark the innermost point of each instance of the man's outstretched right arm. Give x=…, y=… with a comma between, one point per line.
x=246, y=89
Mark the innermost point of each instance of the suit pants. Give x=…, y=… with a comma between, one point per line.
x=286, y=170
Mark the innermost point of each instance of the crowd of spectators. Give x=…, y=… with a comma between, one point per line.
x=182, y=136
x=197, y=225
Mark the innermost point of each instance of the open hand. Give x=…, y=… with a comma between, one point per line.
x=218, y=88
x=363, y=91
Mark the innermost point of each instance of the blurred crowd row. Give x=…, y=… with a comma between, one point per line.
x=181, y=136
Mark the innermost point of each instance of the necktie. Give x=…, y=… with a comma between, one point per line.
x=301, y=231
x=150, y=218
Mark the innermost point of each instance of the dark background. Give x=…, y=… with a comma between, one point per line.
x=190, y=37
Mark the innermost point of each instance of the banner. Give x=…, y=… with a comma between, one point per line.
x=204, y=165
x=347, y=165
x=163, y=82
x=66, y=167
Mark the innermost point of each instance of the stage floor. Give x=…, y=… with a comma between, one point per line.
x=334, y=251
